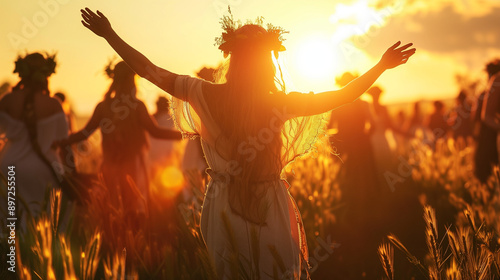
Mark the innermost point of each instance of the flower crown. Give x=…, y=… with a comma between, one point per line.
x=109, y=70
x=118, y=69
x=235, y=36
x=27, y=66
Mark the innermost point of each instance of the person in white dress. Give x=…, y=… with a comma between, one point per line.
x=249, y=131
x=162, y=152
x=31, y=121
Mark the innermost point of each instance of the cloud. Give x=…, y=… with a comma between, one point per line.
x=466, y=8
x=450, y=36
x=443, y=31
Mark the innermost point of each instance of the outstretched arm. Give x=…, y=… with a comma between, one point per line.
x=83, y=134
x=100, y=25
x=152, y=127
x=313, y=104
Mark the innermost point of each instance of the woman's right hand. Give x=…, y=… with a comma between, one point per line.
x=395, y=55
x=97, y=23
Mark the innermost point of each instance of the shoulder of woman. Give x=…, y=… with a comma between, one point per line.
x=54, y=104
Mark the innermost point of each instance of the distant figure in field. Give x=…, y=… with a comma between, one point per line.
x=352, y=140
x=162, y=151
x=382, y=137
x=68, y=111
x=438, y=121
x=402, y=122
x=124, y=121
x=248, y=216
x=31, y=121
x=460, y=120
x=487, y=147
x=416, y=122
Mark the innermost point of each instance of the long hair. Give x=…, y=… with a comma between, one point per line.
x=123, y=82
x=34, y=70
x=249, y=81
x=128, y=138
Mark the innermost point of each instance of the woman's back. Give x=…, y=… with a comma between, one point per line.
x=43, y=105
x=123, y=137
x=50, y=125
x=261, y=140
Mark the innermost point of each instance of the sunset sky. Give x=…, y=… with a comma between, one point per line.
x=325, y=39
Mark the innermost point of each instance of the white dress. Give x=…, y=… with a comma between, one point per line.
x=272, y=251
x=32, y=175
x=161, y=150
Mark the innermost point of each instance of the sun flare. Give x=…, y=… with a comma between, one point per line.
x=168, y=181
x=315, y=58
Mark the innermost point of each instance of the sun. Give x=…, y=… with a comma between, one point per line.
x=168, y=181
x=172, y=177
x=315, y=58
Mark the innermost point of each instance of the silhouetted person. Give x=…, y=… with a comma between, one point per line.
x=359, y=192
x=487, y=150
x=438, y=121
x=31, y=121
x=402, y=122
x=416, y=121
x=123, y=121
x=162, y=151
x=352, y=140
x=68, y=111
x=461, y=117
x=242, y=123
x=351, y=122
x=382, y=137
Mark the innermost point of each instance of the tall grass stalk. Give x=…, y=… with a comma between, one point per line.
x=386, y=255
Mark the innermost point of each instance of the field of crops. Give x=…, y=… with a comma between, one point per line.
x=431, y=220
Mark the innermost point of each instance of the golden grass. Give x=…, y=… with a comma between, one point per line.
x=101, y=243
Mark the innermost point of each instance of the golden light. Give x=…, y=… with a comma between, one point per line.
x=357, y=19
x=171, y=181
x=322, y=56
x=315, y=58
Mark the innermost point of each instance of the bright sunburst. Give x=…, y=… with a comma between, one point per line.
x=315, y=58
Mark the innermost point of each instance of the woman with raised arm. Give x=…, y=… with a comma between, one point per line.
x=31, y=121
x=124, y=121
x=250, y=129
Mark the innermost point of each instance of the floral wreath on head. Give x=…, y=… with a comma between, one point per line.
x=24, y=69
x=231, y=39
x=109, y=70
